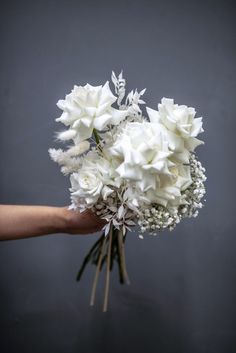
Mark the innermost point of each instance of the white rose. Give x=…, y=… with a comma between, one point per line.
x=88, y=107
x=179, y=120
x=142, y=151
x=96, y=178
x=144, y=157
x=167, y=194
x=86, y=185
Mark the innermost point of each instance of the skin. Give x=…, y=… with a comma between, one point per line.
x=19, y=221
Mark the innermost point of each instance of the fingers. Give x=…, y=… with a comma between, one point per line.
x=86, y=222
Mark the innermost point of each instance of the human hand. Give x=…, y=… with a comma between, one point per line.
x=82, y=223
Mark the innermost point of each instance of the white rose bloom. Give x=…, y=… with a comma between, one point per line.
x=86, y=185
x=179, y=121
x=95, y=178
x=167, y=193
x=142, y=149
x=88, y=107
x=143, y=157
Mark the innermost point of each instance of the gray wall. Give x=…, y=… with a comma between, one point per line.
x=182, y=297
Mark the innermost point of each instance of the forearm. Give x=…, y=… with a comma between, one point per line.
x=28, y=221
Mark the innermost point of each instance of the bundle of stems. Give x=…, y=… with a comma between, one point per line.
x=106, y=251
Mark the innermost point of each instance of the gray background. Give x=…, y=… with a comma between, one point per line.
x=182, y=297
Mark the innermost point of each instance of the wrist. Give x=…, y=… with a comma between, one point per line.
x=66, y=220
x=59, y=220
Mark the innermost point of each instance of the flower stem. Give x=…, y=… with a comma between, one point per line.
x=97, y=272
x=88, y=257
x=122, y=256
x=108, y=270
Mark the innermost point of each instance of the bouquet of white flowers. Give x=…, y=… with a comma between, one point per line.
x=128, y=168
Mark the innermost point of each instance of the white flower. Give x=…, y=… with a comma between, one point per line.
x=144, y=163
x=143, y=154
x=179, y=120
x=142, y=149
x=86, y=185
x=96, y=178
x=88, y=107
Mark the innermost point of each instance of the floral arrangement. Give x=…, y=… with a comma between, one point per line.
x=129, y=167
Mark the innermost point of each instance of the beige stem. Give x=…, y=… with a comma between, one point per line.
x=97, y=273
x=108, y=270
